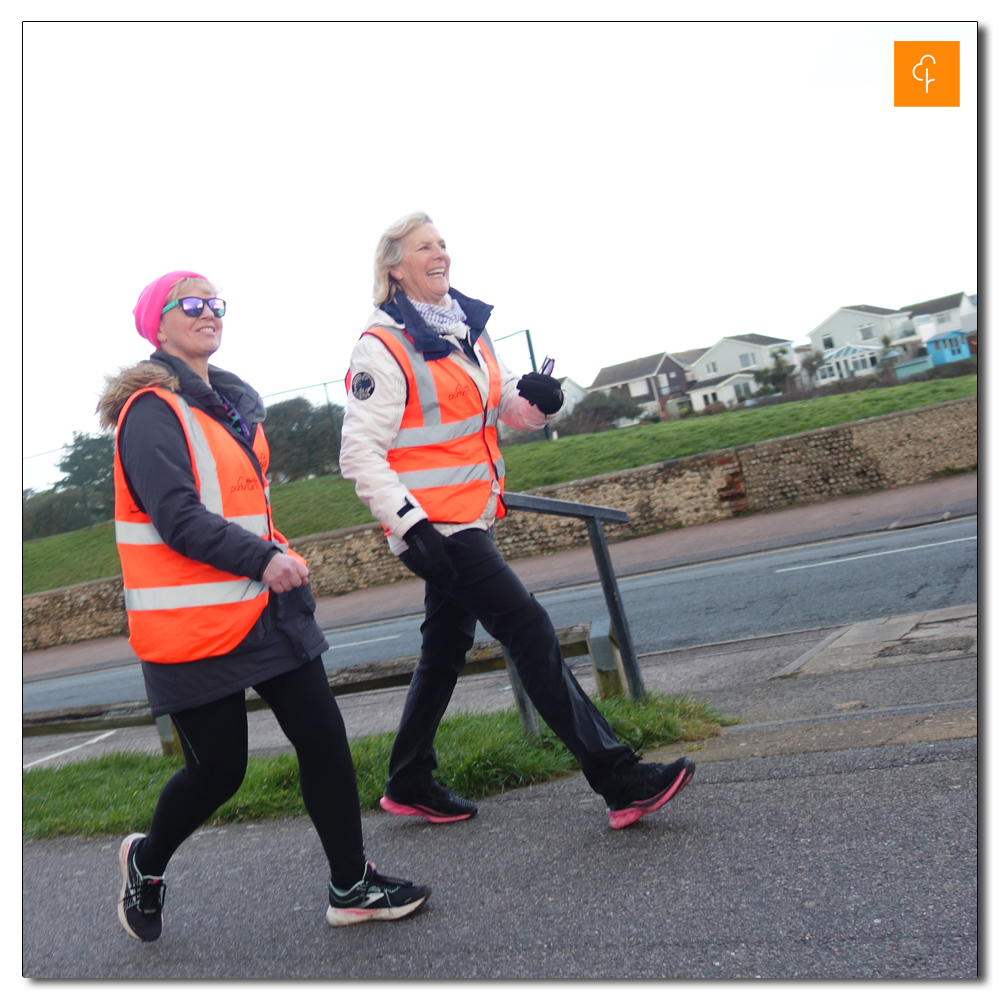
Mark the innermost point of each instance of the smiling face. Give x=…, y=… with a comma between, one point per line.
x=423, y=272
x=193, y=339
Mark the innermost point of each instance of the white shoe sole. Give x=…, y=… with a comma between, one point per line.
x=338, y=917
x=123, y=865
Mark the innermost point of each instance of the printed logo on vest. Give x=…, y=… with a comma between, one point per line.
x=463, y=391
x=245, y=484
x=362, y=385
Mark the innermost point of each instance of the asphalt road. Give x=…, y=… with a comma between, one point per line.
x=806, y=586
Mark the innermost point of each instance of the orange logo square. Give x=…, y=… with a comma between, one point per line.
x=925, y=75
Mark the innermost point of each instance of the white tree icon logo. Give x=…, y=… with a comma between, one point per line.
x=926, y=79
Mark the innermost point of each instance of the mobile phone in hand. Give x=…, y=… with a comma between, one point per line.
x=547, y=365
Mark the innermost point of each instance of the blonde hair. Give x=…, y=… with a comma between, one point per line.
x=389, y=254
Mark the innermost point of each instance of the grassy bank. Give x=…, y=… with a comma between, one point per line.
x=482, y=755
x=543, y=463
x=329, y=502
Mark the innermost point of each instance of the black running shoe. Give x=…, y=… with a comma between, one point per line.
x=375, y=897
x=645, y=788
x=141, y=904
x=435, y=803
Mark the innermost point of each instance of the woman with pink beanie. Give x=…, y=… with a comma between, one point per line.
x=217, y=603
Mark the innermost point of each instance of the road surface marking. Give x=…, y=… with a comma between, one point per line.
x=59, y=753
x=871, y=555
x=364, y=642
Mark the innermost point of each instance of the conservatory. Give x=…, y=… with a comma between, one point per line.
x=848, y=361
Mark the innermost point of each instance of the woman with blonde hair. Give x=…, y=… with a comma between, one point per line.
x=426, y=390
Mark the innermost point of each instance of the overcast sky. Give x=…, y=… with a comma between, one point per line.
x=619, y=189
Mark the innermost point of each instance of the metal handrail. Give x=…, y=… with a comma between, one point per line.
x=594, y=515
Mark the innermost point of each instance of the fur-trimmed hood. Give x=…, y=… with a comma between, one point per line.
x=168, y=372
x=126, y=381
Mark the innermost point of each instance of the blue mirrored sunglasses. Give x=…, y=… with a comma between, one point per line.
x=193, y=306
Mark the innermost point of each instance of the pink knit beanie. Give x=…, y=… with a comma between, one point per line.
x=153, y=299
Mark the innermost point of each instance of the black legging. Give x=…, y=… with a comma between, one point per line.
x=489, y=591
x=214, y=739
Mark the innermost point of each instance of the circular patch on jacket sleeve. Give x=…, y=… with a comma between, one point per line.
x=362, y=385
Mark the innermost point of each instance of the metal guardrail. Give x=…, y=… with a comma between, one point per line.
x=594, y=515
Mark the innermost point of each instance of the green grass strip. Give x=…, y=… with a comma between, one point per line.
x=546, y=463
x=481, y=755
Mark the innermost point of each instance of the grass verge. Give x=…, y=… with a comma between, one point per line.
x=545, y=463
x=481, y=756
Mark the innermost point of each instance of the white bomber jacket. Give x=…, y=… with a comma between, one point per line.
x=371, y=424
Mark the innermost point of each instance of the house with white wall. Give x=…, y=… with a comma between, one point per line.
x=948, y=314
x=733, y=354
x=728, y=389
x=851, y=339
x=860, y=324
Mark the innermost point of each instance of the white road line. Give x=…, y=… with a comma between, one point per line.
x=364, y=642
x=872, y=555
x=79, y=746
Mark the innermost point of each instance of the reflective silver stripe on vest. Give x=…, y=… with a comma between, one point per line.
x=131, y=533
x=450, y=476
x=426, y=390
x=500, y=467
x=204, y=460
x=492, y=416
x=412, y=437
x=194, y=595
x=256, y=524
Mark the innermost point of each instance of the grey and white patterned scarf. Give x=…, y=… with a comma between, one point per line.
x=441, y=319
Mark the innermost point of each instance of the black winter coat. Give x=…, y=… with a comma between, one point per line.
x=154, y=457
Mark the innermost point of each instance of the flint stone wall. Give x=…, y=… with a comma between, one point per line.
x=878, y=453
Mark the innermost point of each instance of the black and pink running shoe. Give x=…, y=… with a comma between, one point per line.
x=436, y=804
x=645, y=788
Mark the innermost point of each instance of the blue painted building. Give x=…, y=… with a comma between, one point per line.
x=946, y=347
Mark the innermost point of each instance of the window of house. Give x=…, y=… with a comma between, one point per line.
x=705, y=400
x=748, y=359
x=640, y=387
x=867, y=331
x=662, y=379
x=828, y=343
x=711, y=367
x=826, y=371
x=672, y=375
x=943, y=317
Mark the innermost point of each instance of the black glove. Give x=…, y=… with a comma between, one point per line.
x=427, y=553
x=542, y=390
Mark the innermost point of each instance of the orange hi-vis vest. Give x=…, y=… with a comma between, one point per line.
x=446, y=452
x=180, y=609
